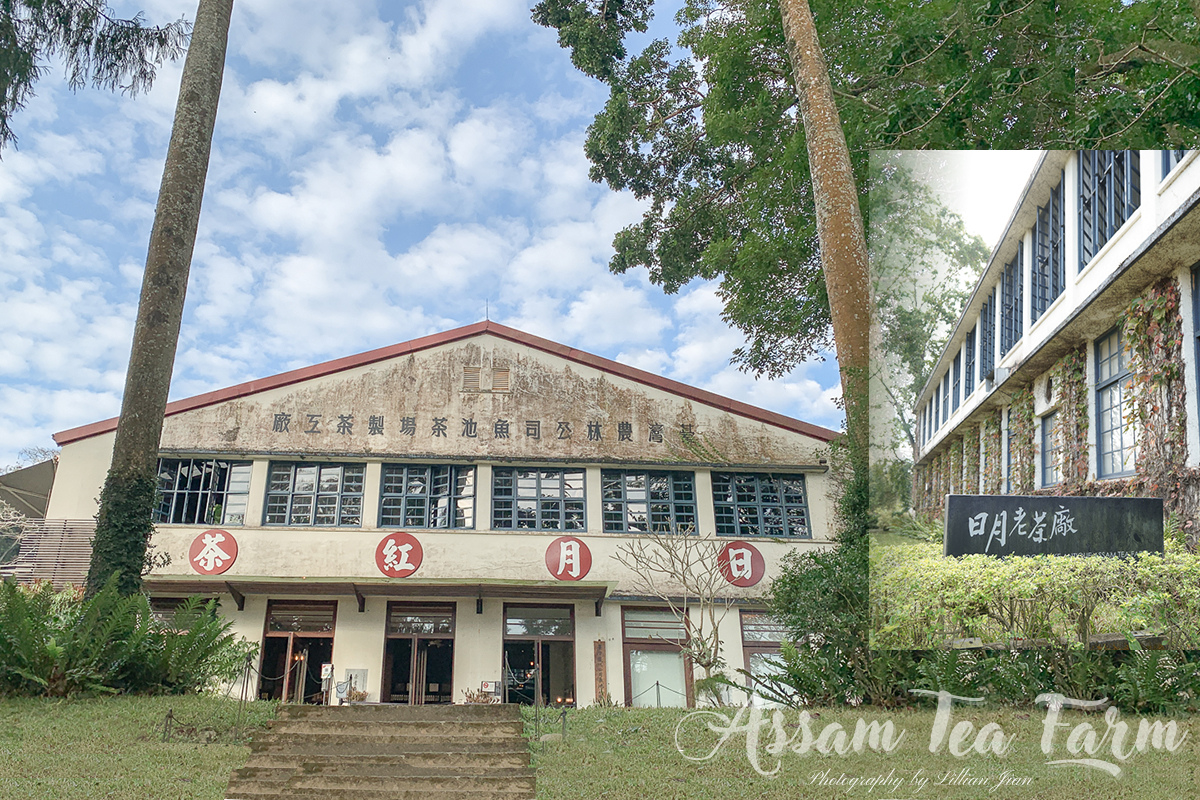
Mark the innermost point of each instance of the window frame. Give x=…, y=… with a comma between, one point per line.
x=1012, y=311
x=675, y=504
x=1048, y=270
x=734, y=506
x=1171, y=159
x=514, y=498
x=987, y=336
x=1121, y=378
x=954, y=390
x=452, y=495
x=969, y=364
x=204, y=496
x=752, y=647
x=1109, y=193
x=316, y=494
x=1051, y=450
x=629, y=644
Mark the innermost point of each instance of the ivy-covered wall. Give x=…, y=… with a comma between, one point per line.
x=1153, y=332
x=970, y=444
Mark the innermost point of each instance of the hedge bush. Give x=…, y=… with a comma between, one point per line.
x=921, y=599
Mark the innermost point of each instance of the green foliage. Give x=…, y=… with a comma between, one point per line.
x=95, y=46
x=891, y=491
x=123, y=530
x=1158, y=681
x=61, y=643
x=708, y=127
x=921, y=599
x=923, y=263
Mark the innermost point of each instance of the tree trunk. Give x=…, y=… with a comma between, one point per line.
x=123, y=524
x=839, y=222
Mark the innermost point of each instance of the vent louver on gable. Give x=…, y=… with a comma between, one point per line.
x=500, y=380
x=470, y=379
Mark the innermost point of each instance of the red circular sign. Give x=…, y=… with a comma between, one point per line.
x=399, y=555
x=568, y=559
x=213, y=552
x=741, y=564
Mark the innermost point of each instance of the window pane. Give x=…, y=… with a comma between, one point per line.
x=536, y=621
x=759, y=505
x=652, y=624
x=656, y=679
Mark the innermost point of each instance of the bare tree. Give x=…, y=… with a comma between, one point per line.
x=680, y=568
x=14, y=527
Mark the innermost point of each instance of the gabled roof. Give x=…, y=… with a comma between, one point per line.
x=456, y=335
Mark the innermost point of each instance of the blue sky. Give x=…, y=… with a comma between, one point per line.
x=380, y=171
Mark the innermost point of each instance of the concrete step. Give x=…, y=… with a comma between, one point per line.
x=384, y=752
x=486, y=729
x=385, y=711
x=371, y=794
x=316, y=745
x=391, y=788
x=390, y=771
x=470, y=759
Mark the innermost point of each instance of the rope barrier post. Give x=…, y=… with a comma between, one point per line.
x=564, y=724
x=167, y=724
x=657, y=694
x=237, y=728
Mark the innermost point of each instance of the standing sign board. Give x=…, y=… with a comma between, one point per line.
x=1010, y=525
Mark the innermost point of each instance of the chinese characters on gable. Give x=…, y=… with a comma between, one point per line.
x=444, y=428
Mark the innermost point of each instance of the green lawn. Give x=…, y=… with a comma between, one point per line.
x=112, y=747
x=630, y=753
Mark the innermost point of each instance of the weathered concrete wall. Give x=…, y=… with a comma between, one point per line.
x=448, y=555
x=332, y=414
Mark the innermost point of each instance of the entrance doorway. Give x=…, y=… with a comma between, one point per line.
x=418, y=661
x=539, y=655
x=297, y=641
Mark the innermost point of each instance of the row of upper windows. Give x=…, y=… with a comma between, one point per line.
x=1109, y=191
x=216, y=492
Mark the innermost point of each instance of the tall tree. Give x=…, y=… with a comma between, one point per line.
x=95, y=46
x=843, y=243
x=123, y=525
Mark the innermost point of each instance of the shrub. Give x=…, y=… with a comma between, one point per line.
x=920, y=599
x=61, y=643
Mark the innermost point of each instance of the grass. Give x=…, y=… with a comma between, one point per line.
x=630, y=753
x=112, y=747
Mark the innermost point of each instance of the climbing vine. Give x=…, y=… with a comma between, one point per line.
x=1156, y=407
x=970, y=445
x=992, y=468
x=1070, y=381
x=1158, y=403
x=955, y=477
x=1023, y=441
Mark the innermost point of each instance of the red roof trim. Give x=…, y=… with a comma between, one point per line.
x=458, y=334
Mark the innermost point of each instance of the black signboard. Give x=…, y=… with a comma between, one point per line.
x=1010, y=525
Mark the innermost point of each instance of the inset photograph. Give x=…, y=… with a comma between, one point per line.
x=1035, y=455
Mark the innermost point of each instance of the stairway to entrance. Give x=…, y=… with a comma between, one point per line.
x=388, y=752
